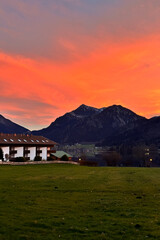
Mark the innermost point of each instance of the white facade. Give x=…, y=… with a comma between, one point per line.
x=43, y=155
x=25, y=145
x=16, y=151
x=20, y=151
x=32, y=153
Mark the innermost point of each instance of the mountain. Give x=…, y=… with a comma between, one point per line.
x=88, y=124
x=106, y=126
x=7, y=126
x=85, y=111
x=146, y=132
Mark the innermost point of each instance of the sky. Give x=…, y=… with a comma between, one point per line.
x=58, y=54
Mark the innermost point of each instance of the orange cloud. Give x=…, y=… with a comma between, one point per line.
x=35, y=92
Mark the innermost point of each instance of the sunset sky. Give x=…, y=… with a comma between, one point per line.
x=57, y=54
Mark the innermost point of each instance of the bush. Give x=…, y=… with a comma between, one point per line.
x=88, y=163
x=19, y=159
x=7, y=156
x=38, y=158
x=64, y=158
x=112, y=159
x=50, y=159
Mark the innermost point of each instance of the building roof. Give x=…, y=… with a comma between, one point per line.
x=60, y=154
x=24, y=139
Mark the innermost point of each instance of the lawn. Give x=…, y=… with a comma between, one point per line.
x=74, y=202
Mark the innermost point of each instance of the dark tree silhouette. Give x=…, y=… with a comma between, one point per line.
x=64, y=158
x=1, y=154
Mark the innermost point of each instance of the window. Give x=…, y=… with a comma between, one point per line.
x=43, y=141
x=11, y=140
x=5, y=140
x=25, y=140
x=19, y=140
x=37, y=140
x=32, y=140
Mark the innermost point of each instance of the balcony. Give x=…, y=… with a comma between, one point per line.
x=13, y=151
x=26, y=151
x=39, y=151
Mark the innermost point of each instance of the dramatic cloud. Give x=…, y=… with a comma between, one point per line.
x=55, y=55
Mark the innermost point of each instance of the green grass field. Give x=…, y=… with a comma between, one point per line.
x=74, y=202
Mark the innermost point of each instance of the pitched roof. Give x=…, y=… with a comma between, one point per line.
x=24, y=139
x=60, y=154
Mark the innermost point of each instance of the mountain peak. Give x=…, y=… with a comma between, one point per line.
x=84, y=110
x=83, y=106
x=115, y=106
x=119, y=109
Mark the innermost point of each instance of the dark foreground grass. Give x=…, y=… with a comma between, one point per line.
x=72, y=202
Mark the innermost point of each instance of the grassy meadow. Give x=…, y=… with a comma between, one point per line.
x=73, y=202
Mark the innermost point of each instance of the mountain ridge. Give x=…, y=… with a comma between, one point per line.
x=8, y=126
x=113, y=125
x=89, y=124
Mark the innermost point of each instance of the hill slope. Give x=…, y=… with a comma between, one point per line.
x=146, y=132
x=7, y=126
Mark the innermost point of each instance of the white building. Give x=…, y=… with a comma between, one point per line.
x=28, y=146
